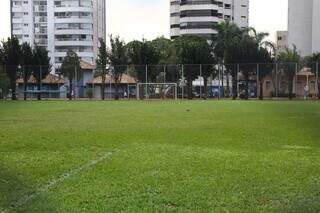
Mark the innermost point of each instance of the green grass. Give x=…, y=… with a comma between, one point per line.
x=166, y=156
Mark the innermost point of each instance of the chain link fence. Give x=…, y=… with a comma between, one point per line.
x=191, y=81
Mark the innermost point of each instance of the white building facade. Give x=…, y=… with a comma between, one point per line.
x=282, y=41
x=60, y=25
x=198, y=17
x=304, y=25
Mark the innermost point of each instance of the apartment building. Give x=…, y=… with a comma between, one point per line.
x=198, y=17
x=281, y=41
x=60, y=25
x=304, y=25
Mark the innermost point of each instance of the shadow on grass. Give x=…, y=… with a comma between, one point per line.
x=310, y=203
x=13, y=189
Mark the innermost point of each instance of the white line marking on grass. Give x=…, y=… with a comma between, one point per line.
x=52, y=183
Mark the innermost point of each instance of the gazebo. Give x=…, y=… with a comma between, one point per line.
x=306, y=77
x=50, y=87
x=127, y=86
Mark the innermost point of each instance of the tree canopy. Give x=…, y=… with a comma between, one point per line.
x=102, y=62
x=70, y=68
x=118, y=57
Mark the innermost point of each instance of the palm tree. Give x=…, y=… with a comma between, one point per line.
x=263, y=53
x=224, y=45
x=233, y=45
x=290, y=57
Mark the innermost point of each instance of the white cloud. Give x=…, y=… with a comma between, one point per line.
x=138, y=23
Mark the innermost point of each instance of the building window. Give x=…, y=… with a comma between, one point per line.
x=227, y=6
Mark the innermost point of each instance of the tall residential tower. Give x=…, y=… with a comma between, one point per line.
x=60, y=25
x=198, y=17
x=304, y=25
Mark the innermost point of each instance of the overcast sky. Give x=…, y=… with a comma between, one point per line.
x=137, y=19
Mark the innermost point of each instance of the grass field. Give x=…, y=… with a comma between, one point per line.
x=160, y=156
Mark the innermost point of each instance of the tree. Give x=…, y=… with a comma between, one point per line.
x=70, y=65
x=265, y=56
x=290, y=58
x=26, y=60
x=11, y=56
x=225, y=45
x=118, y=57
x=41, y=66
x=165, y=52
x=234, y=46
x=264, y=69
x=254, y=50
x=4, y=83
x=192, y=51
x=140, y=54
x=163, y=49
x=313, y=61
x=102, y=65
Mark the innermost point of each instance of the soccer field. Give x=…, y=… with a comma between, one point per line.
x=198, y=156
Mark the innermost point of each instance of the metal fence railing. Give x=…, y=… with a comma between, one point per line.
x=205, y=81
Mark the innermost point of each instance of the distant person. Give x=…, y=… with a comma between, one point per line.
x=306, y=92
x=216, y=93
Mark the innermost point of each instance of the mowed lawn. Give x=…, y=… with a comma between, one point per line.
x=198, y=156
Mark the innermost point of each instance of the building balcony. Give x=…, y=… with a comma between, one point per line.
x=17, y=32
x=200, y=7
x=17, y=9
x=73, y=43
x=197, y=31
x=200, y=19
x=73, y=31
x=73, y=9
x=80, y=54
x=73, y=20
x=17, y=20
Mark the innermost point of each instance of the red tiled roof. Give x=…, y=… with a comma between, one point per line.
x=305, y=72
x=86, y=66
x=50, y=79
x=126, y=79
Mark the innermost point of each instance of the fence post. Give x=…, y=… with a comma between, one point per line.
x=296, y=79
x=258, y=85
x=128, y=86
x=110, y=84
x=238, y=70
x=75, y=82
x=40, y=82
x=164, y=73
x=317, y=78
x=182, y=91
x=200, y=80
x=146, y=86
x=25, y=83
x=222, y=81
x=176, y=96
x=219, y=81
x=93, y=84
x=276, y=80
